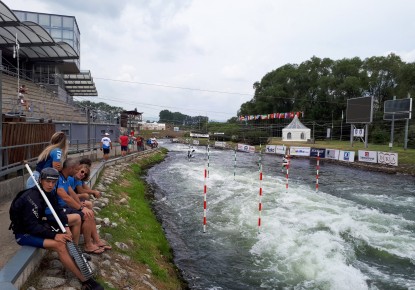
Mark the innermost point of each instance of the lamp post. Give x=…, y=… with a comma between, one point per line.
x=16, y=49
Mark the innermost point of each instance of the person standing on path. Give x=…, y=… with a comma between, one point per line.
x=106, y=146
x=124, y=143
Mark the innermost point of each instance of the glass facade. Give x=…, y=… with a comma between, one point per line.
x=60, y=27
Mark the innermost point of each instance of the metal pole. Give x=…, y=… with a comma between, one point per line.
x=1, y=108
x=351, y=135
x=366, y=135
x=88, y=130
x=392, y=127
x=405, y=146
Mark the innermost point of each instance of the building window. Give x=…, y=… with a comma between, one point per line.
x=68, y=22
x=302, y=136
x=56, y=34
x=56, y=21
x=32, y=17
x=44, y=20
x=67, y=34
x=289, y=136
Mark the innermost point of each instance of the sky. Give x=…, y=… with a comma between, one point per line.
x=203, y=57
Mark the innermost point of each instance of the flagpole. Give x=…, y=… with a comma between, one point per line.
x=341, y=127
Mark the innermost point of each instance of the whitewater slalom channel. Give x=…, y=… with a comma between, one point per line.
x=357, y=232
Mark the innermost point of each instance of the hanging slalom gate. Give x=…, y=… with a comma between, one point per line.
x=318, y=168
x=286, y=175
x=204, y=200
x=260, y=198
x=206, y=175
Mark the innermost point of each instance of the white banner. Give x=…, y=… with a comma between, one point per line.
x=300, y=151
x=281, y=149
x=195, y=142
x=347, y=156
x=246, y=148
x=359, y=132
x=332, y=154
x=220, y=144
x=271, y=149
x=197, y=135
x=368, y=156
x=388, y=158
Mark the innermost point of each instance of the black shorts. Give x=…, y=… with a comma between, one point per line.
x=106, y=150
x=66, y=210
x=124, y=148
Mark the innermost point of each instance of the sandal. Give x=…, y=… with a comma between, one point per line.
x=97, y=251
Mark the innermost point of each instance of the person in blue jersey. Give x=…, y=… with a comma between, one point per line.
x=52, y=156
x=82, y=189
x=69, y=200
x=106, y=146
x=32, y=228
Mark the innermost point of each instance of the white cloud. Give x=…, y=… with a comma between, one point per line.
x=218, y=45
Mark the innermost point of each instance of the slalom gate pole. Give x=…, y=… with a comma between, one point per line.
x=318, y=168
x=204, y=200
x=208, y=156
x=260, y=158
x=286, y=176
x=260, y=198
x=234, y=165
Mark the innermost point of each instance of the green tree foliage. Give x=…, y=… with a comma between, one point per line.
x=179, y=119
x=101, y=106
x=321, y=87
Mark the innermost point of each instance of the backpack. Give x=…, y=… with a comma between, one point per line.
x=15, y=212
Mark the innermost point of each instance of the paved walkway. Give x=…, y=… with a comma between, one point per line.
x=8, y=244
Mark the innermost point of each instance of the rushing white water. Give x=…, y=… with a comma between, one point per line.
x=357, y=232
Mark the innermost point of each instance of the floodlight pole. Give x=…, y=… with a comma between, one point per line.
x=405, y=146
x=392, y=127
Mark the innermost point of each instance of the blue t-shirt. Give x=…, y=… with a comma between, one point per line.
x=64, y=183
x=54, y=156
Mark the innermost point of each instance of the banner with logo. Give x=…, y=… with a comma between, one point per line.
x=195, y=142
x=220, y=144
x=197, y=135
x=300, y=151
x=388, y=158
x=368, y=156
x=347, y=156
x=272, y=149
x=281, y=149
x=332, y=154
x=318, y=151
x=246, y=148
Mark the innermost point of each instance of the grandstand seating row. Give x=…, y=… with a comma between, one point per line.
x=43, y=102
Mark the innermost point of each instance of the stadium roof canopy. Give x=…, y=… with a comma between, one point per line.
x=36, y=44
x=34, y=41
x=80, y=84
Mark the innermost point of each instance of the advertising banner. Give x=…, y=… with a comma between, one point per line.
x=347, y=156
x=272, y=149
x=195, y=142
x=300, y=151
x=197, y=135
x=318, y=151
x=220, y=144
x=332, y=154
x=246, y=148
x=368, y=156
x=388, y=158
x=281, y=149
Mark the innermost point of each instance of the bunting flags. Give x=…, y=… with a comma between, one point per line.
x=288, y=115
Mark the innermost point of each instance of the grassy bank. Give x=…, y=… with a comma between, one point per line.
x=141, y=231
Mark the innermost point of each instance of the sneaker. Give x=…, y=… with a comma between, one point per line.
x=91, y=284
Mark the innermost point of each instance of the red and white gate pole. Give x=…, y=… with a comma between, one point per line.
x=318, y=168
x=260, y=197
x=204, y=200
x=286, y=175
